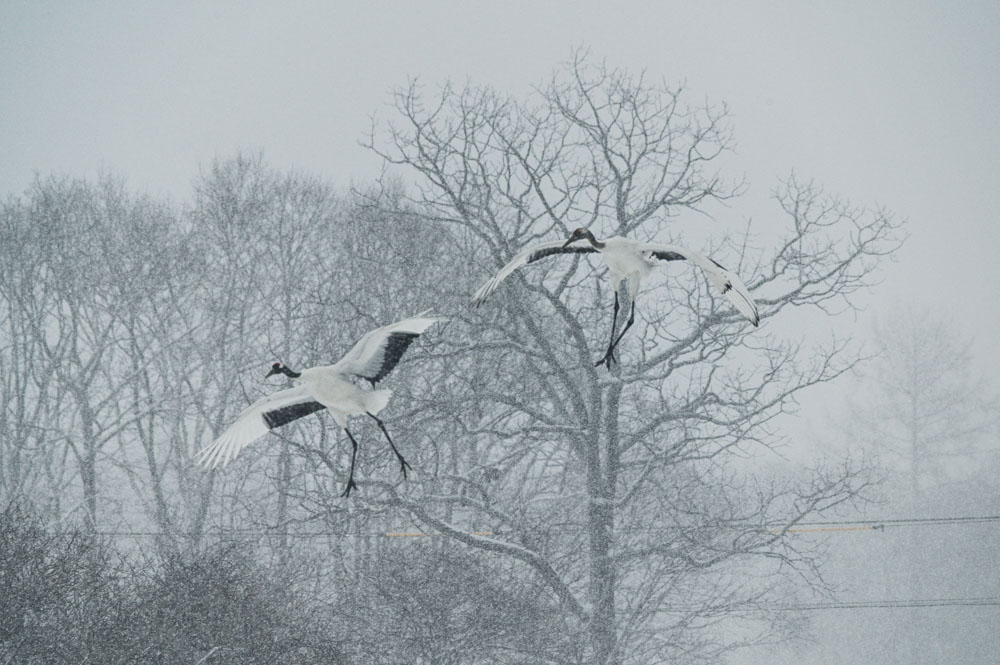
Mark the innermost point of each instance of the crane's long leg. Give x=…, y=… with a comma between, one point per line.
x=611, y=343
x=354, y=455
x=631, y=320
x=403, y=464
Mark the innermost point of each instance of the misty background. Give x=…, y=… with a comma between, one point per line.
x=195, y=190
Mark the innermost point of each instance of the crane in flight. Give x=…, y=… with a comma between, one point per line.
x=629, y=262
x=327, y=387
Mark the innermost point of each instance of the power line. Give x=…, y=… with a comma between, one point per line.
x=912, y=521
x=799, y=527
x=991, y=601
x=814, y=526
x=878, y=525
x=913, y=602
x=419, y=534
x=864, y=527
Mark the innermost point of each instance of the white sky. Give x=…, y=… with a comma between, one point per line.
x=892, y=103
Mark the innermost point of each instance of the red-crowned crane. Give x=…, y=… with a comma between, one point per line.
x=629, y=262
x=326, y=387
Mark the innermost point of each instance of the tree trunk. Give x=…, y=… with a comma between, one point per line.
x=601, y=475
x=88, y=475
x=600, y=516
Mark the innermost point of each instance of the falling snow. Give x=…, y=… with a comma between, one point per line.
x=678, y=505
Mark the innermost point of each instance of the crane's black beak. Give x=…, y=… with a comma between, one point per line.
x=571, y=239
x=274, y=370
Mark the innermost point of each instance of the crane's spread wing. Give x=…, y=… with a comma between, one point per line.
x=526, y=256
x=379, y=350
x=729, y=283
x=265, y=414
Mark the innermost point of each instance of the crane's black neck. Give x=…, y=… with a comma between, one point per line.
x=594, y=241
x=289, y=373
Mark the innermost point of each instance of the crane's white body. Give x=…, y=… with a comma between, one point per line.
x=627, y=263
x=341, y=397
x=328, y=386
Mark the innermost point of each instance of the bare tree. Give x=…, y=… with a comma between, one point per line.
x=265, y=237
x=67, y=312
x=29, y=395
x=156, y=272
x=931, y=416
x=929, y=412
x=621, y=493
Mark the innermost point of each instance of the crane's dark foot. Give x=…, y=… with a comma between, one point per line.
x=403, y=465
x=350, y=486
x=608, y=358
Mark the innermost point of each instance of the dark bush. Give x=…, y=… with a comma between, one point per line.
x=440, y=603
x=66, y=597
x=221, y=606
x=60, y=593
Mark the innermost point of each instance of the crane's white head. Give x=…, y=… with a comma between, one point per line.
x=580, y=234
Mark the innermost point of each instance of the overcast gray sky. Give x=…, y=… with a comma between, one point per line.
x=892, y=103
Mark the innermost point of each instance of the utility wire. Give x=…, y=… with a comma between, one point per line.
x=992, y=601
x=864, y=604
x=800, y=527
x=816, y=526
x=913, y=521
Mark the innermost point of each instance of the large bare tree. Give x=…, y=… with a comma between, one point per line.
x=623, y=493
